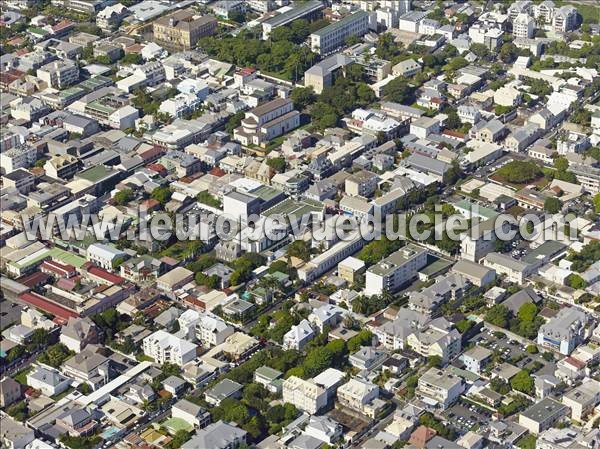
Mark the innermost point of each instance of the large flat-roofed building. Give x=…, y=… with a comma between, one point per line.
x=543, y=415
x=439, y=387
x=183, y=29
x=304, y=10
x=267, y=121
x=333, y=36
x=395, y=270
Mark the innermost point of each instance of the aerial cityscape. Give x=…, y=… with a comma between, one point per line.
x=304, y=224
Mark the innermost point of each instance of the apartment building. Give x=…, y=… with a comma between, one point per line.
x=267, y=121
x=564, y=19
x=164, y=347
x=22, y=156
x=568, y=329
x=59, y=74
x=439, y=387
x=395, y=270
x=330, y=38
x=358, y=394
x=183, y=29
x=542, y=415
x=330, y=258
x=111, y=17
x=20, y=179
x=436, y=339
x=212, y=331
x=583, y=399
x=362, y=183
x=523, y=26
x=304, y=394
x=298, y=336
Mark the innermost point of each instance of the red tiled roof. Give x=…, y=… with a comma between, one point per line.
x=576, y=362
x=48, y=306
x=64, y=24
x=217, y=171
x=33, y=279
x=449, y=132
x=107, y=276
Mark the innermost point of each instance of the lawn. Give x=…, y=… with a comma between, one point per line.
x=58, y=397
x=21, y=376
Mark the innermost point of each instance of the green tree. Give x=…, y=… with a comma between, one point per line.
x=234, y=121
x=519, y=171
x=161, y=194
x=527, y=312
x=532, y=349
x=299, y=249
x=597, y=203
x=576, y=281
x=552, y=205
x=498, y=315
x=523, y=382
x=123, y=197
x=277, y=164
x=302, y=97
x=399, y=91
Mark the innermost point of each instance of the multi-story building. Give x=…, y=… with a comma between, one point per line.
x=304, y=10
x=212, y=331
x=523, y=26
x=488, y=35
x=22, y=156
x=304, y=394
x=267, y=121
x=564, y=19
x=20, y=179
x=572, y=142
x=104, y=255
x=111, y=17
x=440, y=386
x=362, y=183
x=88, y=367
x=183, y=29
x=62, y=167
x=436, y=339
x=583, y=399
x=563, y=333
x=542, y=415
x=520, y=7
x=323, y=74
x=358, y=395
x=395, y=270
x=333, y=36
x=164, y=347
x=59, y=74
x=588, y=176
x=298, y=336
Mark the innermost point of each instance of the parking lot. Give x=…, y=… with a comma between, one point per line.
x=464, y=416
x=514, y=352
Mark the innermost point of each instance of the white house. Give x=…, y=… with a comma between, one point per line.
x=298, y=336
x=164, y=347
x=104, y=255
x=49, y=382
